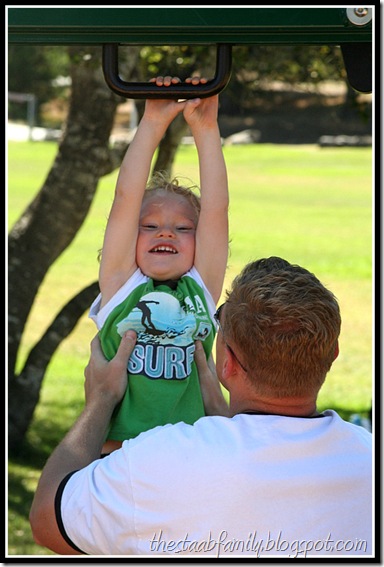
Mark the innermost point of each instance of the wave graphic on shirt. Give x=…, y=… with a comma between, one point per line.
x=158, y=318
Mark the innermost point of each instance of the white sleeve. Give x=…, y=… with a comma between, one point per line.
x=193, y=273
x=99, y=315
x=90, y=504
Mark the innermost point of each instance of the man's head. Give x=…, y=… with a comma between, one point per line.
x=283, y=325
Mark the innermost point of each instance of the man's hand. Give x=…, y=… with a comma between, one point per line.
x=108, y=380
x=213, y=398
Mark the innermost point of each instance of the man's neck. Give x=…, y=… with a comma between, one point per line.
x=293, y=407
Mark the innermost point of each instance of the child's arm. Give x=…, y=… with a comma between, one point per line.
x=118, y=260
x=212, y=231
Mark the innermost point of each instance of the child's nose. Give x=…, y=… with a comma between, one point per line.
x=167, y=231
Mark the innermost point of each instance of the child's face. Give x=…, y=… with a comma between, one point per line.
x=166, y=240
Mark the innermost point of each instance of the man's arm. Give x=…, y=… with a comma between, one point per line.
x=105, y=385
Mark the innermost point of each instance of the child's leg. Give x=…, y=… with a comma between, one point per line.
x=110, y=445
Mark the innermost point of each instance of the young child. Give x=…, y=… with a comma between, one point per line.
x=162, y=269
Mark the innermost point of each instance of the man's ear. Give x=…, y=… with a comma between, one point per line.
x=336, y=351
x=229, y=370
x=225, y=368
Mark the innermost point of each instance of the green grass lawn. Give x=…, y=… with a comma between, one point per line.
x=310, y=205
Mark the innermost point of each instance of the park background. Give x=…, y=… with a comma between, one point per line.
x=300, y=176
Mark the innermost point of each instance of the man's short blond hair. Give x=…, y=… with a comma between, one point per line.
x=284, y=324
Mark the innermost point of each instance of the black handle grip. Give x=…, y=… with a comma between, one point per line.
x=178, y=91
x=358, y=65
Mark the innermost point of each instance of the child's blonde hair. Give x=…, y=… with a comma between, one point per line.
x=160, y=181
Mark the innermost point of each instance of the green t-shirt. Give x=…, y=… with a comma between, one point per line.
x=163, y=384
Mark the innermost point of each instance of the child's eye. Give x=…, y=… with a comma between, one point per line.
x=149, y=226
x=184, y=228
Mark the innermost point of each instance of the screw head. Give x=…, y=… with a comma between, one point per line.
x=359, y=16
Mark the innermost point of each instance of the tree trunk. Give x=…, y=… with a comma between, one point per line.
x=169, y=145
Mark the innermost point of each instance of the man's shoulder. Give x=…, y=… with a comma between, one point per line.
x=182, y=434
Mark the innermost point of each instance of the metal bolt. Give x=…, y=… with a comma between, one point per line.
x=359, y=16
x=361, y=12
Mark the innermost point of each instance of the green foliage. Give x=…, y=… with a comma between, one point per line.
x=180, y=61
x=255, y=66
x=294, y=63
x=310, y=205
x=33, y=69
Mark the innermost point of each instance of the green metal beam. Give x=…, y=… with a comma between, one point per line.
x=182, y=26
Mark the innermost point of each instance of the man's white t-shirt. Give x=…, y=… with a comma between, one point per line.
x=252, y=485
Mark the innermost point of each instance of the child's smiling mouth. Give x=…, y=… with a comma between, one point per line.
x=163, y=250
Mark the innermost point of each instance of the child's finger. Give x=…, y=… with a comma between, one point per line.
x=196, y=80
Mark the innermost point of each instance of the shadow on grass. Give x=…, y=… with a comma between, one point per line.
x=24, y=467
x=46, y=431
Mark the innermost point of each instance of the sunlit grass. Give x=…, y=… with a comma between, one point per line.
x=309, y=205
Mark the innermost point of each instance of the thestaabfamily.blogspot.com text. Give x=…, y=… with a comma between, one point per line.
x=255, y=545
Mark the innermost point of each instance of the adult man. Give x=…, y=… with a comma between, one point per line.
x=268, y=476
